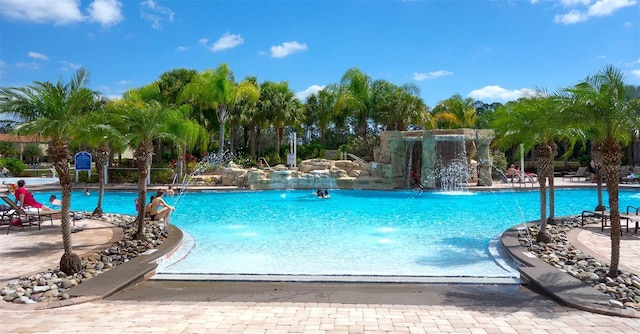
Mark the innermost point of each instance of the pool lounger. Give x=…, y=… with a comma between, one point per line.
x=605, y=216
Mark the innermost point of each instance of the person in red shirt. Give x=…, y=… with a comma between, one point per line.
x=25, y=199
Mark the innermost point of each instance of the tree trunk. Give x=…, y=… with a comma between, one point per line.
x=544, y=160
x=610, y=153
x=222, y=119
x=59, y=152
x=101, y=156
x=142, y=156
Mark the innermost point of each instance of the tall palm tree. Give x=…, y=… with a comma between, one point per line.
x=245, y=99
x=354, y=98
x=94, y=131
x=143, y=120
x=397, y=107
x=52, y=111
x=528, y=122
x=278, y=102
x=212, y=90
x=599, y=105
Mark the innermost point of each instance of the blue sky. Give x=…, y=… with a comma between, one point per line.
x=490, y=50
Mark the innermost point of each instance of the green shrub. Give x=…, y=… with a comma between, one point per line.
x=161, y=175
x=310, y=151
x=499, y=164
x=362, y=147
x=15, y=166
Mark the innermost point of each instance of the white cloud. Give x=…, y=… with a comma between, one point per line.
x=227, y=41
x=302, y=96
x=125, y=82
x=287, y=48
x=635, y=73
x=431, y=75
x=596, y=9
x=155, y=13
x=497, y=93
x=59, y=12
x=68, y=66
x=203, y=41
x=28, y=65
x=570, y=3
x=36, y=55
x=106, y=12
x=182, y=48
x=628, y=24
x=574, y=16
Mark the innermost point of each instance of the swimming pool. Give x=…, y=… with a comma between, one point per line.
x=375, y=233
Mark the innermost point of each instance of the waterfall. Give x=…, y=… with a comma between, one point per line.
x=452, y=168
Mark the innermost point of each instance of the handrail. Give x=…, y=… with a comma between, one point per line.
x=355, y=157
x=265, y=162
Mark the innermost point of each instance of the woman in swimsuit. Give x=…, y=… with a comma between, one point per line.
x=159, y=209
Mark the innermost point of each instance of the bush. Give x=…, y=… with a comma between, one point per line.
x=362, y=147
x=310, y=151
x=15, y=166
x=499, y=164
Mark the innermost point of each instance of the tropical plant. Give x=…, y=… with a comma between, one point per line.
x=7, y=149
x=455, y=112
x=528, y=122
x=95, y=131
x=354, y=98
x=278, y=104
x=600, y=107
x=52, y=111
x=397, y=107
x=143, y=119
x=32, y=152
x=212, y=90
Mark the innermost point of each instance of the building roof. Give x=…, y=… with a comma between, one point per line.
x=21, y=139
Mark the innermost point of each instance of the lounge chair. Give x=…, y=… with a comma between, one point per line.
x=28, y=217
x=605, y=217
x=633, y=214
x=580, y=173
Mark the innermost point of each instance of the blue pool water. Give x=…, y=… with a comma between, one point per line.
x=355, y=232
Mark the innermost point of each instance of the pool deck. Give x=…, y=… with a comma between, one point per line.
x=122, y=301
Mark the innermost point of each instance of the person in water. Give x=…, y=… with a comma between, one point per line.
x=54, y=201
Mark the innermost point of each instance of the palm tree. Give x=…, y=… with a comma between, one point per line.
x=53, y=110
x=245, y=99
x=143, y=119
x=278, y=103
x=528, y=122
x=599, y=105
x=455, y=112
x=212, y=90
x=95, y=131
x=354, y=98
x=397, y=107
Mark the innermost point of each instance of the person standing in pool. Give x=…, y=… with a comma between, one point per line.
x=25, y=199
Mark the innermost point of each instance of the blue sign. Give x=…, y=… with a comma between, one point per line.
x=83, y=161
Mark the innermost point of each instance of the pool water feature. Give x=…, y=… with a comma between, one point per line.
x=363, y=233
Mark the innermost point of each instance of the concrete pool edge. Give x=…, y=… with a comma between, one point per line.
x=559, y=285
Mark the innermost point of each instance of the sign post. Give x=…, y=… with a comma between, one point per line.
x=83, y=161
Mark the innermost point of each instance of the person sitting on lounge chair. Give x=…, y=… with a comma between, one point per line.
x=25, y=199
